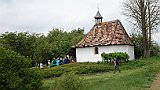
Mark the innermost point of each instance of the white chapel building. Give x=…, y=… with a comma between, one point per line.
x=105, y=37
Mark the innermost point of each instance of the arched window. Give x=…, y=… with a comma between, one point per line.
x=96, y=50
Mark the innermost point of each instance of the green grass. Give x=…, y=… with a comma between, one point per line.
x=135, y=75
x=136, y=79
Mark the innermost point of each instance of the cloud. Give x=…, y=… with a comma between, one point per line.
x=43, y=14
x=40, y=16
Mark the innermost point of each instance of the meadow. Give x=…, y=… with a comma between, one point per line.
x=135, y=75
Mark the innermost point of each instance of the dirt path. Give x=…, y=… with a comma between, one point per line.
x=156, y=83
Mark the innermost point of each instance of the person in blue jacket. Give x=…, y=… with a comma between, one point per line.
x=58, y=61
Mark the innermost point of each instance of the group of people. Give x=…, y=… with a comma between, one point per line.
x=60, y=61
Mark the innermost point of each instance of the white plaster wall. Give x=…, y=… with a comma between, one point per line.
x=131, y=52
x=125, y=48
x=87, y=54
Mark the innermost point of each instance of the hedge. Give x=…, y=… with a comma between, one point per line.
x=116, y=55
x=77, y=68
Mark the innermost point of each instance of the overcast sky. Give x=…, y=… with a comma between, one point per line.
x=41, y=16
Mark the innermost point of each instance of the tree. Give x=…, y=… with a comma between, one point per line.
x=153, y=10
x=15, y=72
x=138, y=49
x=145, y=14
x=42, y=50
x=76, y=35
x=61, y=41
x=22, y=43
x=39, y=47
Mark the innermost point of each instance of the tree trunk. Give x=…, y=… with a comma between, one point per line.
x=144, y=30
x=149, y=27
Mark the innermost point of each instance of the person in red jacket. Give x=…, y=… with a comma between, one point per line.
x=70, y=59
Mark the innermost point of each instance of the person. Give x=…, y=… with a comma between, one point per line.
x=53, y=63
x=66, y=60
x=58, y=61
x=70, y=59
x=41, y=65
x=116, y=65
x=61, y=61
x=75, y=60
x=49, y=63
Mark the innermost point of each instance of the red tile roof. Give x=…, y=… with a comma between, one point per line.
x=106, y=33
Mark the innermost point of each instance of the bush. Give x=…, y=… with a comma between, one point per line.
x=77, y=68
x=53, y=72
x=15, y=72
x=93, y=68
x=117, y=55
x=67, y=81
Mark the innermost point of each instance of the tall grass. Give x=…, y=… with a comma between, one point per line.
x=139, y=76
x=135, y=75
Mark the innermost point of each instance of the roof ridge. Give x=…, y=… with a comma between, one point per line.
x=111, y=21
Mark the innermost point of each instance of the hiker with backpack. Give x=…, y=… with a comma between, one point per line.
x=116, y=65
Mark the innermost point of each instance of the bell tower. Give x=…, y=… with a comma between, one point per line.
x=98, y=18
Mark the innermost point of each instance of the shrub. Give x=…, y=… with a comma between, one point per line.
x=53, y=72
x=117, y=55
x=77, y=68
x=68, y=81
x=15, y=72
x=93, y=68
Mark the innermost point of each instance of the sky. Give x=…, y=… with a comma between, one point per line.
x=41, y=16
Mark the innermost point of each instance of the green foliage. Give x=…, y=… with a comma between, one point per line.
x=138, y=49
x=15, y=72
x=116, y=55
x=77, y=68
x=61, y=41
x=90, y=68
x=52, y=72
x=76, y=35
x=22, y=43
x=155, y=49
x=42, y=51
x=38, y=47
x=67, y=81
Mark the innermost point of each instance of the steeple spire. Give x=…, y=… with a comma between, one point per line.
x=98, y=18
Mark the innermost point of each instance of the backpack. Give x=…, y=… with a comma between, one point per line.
x=117, y=62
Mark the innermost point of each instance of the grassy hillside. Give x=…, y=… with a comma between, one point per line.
x=135, y=75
